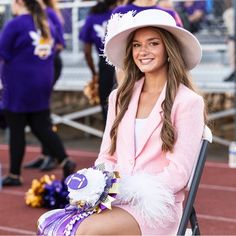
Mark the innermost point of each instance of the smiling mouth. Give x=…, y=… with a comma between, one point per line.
x=145, y=61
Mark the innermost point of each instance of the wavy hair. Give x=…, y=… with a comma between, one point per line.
x=177, y=74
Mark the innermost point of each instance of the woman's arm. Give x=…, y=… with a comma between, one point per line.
x=89, y=60
x=189, y=124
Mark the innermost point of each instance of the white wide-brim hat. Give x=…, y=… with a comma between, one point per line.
x=120, y=26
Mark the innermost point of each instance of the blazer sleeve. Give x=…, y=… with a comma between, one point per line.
x=104, y=156
x=189, y=125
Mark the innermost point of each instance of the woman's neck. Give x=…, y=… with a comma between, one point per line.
x=155, y=82
x=145, y=3
x=23, y=11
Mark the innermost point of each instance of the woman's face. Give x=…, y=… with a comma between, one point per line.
x=149, y=53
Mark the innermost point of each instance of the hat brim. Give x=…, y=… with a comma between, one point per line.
x=115, y=48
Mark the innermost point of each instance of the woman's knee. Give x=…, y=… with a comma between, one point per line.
x=115, y=222
x=88, y=227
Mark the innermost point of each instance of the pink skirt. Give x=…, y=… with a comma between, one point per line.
x=169, y=229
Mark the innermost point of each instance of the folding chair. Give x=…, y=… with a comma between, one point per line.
x=189, y=213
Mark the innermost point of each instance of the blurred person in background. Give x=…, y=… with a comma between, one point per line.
x=166, y=4
x=92, y=34
x=27, y=78
x=45, y=161
x=140, y=5
x=137, y=6
x=54, y=14
x=192, y=14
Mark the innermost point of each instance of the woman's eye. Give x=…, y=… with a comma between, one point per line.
x=154, y=43
x=135, y=45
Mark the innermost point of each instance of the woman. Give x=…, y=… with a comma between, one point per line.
x=154, y=127
x=46, y=161
x=27, y=78
x=92, y=33
x=54, y=14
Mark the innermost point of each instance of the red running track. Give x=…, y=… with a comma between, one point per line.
x=215, y=203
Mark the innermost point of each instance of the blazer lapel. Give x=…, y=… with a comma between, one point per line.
x=152, y=122
x=128, y=121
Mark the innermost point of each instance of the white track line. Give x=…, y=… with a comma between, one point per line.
x=19, y=231
x=13, y=192
x=218, y=218
x=218, y=187
x=217, y=165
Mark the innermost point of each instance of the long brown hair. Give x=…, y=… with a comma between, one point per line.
x=177, y=74
x=39, y=17
x=54, y=5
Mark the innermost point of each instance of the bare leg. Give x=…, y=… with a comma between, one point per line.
x=114, y=222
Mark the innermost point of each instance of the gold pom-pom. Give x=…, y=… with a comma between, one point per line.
x=33, y=196
x=91, y=92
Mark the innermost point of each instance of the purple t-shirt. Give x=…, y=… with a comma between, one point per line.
x=197, y=5
x=94, y=28
x=52, y=15
x=28, y=72
x=131, y=7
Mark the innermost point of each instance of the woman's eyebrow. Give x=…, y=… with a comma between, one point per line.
x=149, y=39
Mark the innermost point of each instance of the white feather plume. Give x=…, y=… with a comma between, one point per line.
x=116, y=24
x=150, y=198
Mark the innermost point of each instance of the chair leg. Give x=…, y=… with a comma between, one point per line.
x=194, y=223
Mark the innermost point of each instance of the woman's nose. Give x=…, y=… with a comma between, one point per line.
x=143, y=49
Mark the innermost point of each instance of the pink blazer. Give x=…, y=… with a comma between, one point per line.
x=174, y=168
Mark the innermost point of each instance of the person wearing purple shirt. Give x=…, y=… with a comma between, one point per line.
x=45, y=161
x=53, y=14
x=192, y=13
x=27, y=50
x=92, y=33
x=140, y=5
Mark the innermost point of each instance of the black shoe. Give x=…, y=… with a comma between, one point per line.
x=69, y=168
x=48, y=164
x=35, y=163
x=11, y=181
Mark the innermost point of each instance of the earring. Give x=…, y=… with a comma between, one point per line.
x=168, y=59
